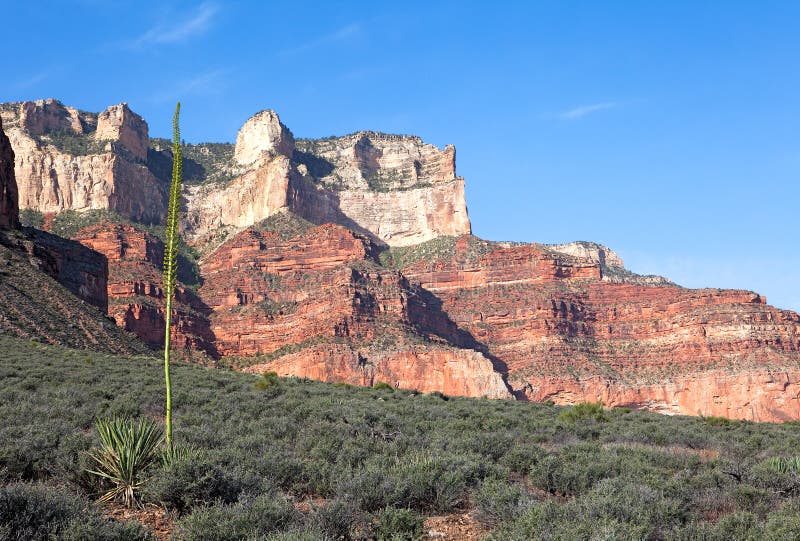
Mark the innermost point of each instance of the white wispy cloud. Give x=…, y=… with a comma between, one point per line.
x=33, y=80
x=163, y=33
x=341, y=34
x=206, y=83
x=585, y=110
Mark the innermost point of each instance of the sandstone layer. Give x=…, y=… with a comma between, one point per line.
x=318, y=305
x=136, y=297
x=566, y=335
x=452, y=371
x=34, y=305
x=367, y=171
x=68, y=159
x=71, y=160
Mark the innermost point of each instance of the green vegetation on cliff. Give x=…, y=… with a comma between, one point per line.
x=202, y=163
x=366, y=461
x=440, y=248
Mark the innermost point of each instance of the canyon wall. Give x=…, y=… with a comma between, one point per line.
x=350, y=259
x=51, y=289
x=566, y=335
x=135, y=293
x=71, y=160
x=68, y=159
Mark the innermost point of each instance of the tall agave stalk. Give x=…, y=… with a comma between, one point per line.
x=171, y=254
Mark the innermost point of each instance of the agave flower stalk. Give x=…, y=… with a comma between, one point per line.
x=171, y=256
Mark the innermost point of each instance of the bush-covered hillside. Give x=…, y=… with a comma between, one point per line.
x=294, y=459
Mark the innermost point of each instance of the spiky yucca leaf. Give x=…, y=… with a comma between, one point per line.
x=785, y=465
x=171, y=255
x=172, y=454
x=127, y=448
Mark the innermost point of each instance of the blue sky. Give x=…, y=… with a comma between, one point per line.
x=669, y=131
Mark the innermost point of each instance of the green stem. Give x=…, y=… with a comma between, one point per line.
x=166, y=370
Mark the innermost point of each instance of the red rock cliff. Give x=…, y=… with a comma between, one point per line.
x=567, y=336
x=135, y=288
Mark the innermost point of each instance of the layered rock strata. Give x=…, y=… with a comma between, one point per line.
x=318, y=305
x=68, y=159
x=72, y=160
x=566, y=335
x=136, y=297
x=51, y=289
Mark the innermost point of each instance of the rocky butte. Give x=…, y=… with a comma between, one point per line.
x=351, y=259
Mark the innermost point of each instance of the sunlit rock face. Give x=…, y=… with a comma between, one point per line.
x=135, y=290
x=567, y=335
x=396, y=187
x=263, y=133
x=350, y=259
x=67, y=159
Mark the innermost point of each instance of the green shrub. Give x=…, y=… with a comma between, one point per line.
x=33, y=512
x=268, y=379
x=382, y=386
x=783, y=465
x=340, y=520
x=584, y=411
x=300, y=534
x=717, y=421
x=574, y=470
x=172, y=454
x=186, y=484
x=127, y=449
x=642, y=476
x=497, y=501
x=248, y=519
x=522, y=457
x=398, y=524
x=31, y=218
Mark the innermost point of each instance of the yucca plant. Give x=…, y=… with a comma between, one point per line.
x=785, y=465
x=173, y=454
x=127, y=448
x=171, y=255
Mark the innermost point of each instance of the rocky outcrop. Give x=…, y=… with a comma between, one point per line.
x=565, y=335
x=47, y=116
x=368, y=172
x=81, y=271
x=297, y=276
x=34, y=305
x=262, y=135
x=603, y=255
x=318, y=305
x=118, y=123
x=396, y=189
x=136, y=297
x=765, y=394
x=70, y=160
x=214, y=212
x=611, y=265
x=9, y=205
x=418, y=214
x=427, y=369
